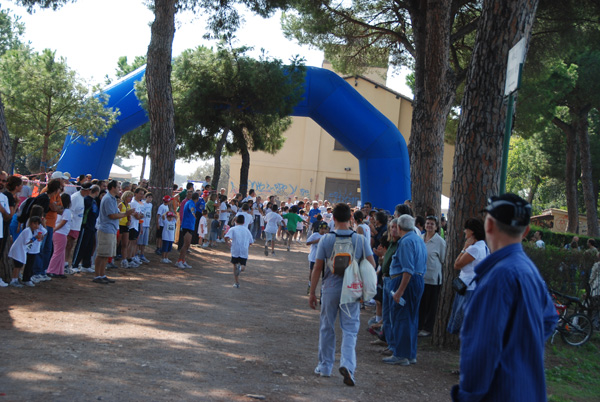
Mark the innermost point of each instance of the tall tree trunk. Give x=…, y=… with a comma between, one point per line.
x=435, y=89
x=534, y=188
x=144, y=156
x=570, y=174
x=580, y=123
x=218, y=152
x=160, y=101
x=245, y=167
x=478, y=155
x=6, y=156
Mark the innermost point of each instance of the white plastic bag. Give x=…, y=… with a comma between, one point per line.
x=369, y=280
x=352, y=286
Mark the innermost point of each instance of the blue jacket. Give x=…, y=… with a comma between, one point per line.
x=507, y=321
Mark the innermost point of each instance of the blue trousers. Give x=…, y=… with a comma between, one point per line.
x=349, y=323
x=256, y=232
x=405, y=319
x=386, y=306
x=43, y=258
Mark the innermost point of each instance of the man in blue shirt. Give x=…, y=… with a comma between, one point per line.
x=409, y=263
x=509, y=316
x=108, y=224
x=331, y=289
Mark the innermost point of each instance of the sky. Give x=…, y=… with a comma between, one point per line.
x=93, y=34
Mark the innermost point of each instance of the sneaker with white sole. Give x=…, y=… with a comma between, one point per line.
x=29, y=284
x=45, y=277
x=137, y=260
x=15, y=284
x=124, y=264
x=34, y=279
x=185, y=264
x=321, y=373
x=144, y=259
x=180, y=265
x=236, y=285
x=3, y=284
x=165, y=261
x=205, y=245
x=89, y=270
x=399, y=361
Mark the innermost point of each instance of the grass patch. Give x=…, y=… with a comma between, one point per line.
x=573, y=373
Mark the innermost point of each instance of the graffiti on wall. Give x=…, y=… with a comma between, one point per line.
x=343, y=196
x=265, y=189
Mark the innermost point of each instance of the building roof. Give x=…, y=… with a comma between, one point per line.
x=378, y=85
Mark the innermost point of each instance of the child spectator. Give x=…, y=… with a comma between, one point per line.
x=59, y=239
x=316, y=224
x=145, y=223
x=241, y=239
x=168, y=235
x=313, y=242
x=25, y=250
x=245, y=212
x=160, y=222
x=273, y=220
x=203, y=228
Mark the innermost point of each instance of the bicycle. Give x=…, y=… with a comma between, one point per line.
x=575, y=329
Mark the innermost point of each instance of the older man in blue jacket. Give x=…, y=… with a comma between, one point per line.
x=509, y=316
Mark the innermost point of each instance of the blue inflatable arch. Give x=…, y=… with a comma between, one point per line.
x=328, y=99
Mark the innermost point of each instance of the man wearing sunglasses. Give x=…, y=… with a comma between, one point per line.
x=509, y=317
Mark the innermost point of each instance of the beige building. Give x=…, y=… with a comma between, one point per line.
x=313, y=164
x=557, y=220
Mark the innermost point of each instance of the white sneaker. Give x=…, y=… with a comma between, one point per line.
x=169, y=261
x=185, y=264
x=164, y=261
x=124, y=263
x=29, y=283
x=68, y=271
x=137, y=260
x=76, y=270
x=180, y=265
x=35, y=279
x=205, y=245
x=88, y=270
x=3, y=284
x=45, y=277
x=144, y=259
x=134, y=264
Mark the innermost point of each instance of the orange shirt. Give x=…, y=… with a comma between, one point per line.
x=51, y=215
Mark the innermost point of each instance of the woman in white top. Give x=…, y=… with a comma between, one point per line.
x=473, y=252
x=361, y=227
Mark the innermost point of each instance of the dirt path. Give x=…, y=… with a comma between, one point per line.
x=164, y=334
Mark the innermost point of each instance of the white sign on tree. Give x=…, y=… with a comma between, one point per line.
x=516, y=57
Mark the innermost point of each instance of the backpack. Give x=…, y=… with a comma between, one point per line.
x=25, y=210
x=342, y=254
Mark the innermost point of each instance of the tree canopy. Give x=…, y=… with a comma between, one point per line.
x=44, y=101
x=228, y=99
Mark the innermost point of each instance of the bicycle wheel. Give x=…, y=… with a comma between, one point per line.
x=577, y=329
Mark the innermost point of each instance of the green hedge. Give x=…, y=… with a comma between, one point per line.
x=563, y=270
x=558, y=239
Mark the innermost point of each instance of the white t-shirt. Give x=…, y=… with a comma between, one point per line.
x=4, y=203
x=327, y=216
x=478, y=251
x=248, y=219
x=169, y=227
x=223, y=214
x=312, y=256
x=77, y=208
x=241, y=239
x=366, y=231
x=66, y=216
x=134, y=223
x=21, y=246
x=540, y=244
x=162, y=209
x=300, y=225
x=202, y=227
x=147, y=214
x=273, y=222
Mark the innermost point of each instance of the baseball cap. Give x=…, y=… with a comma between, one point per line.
x=167, y=198
x=170, y=214
x=323, y=225
x=509, y=209
x=59, y=175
